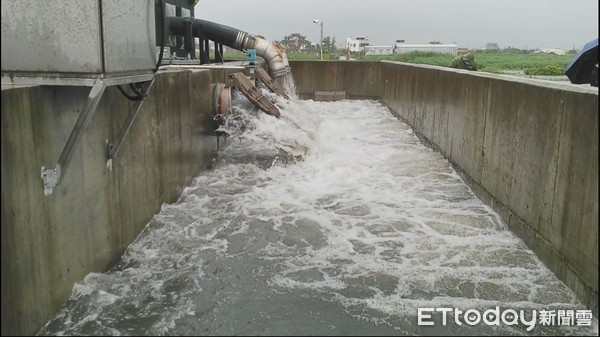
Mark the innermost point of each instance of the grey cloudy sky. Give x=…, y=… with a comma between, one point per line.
x=469, y=23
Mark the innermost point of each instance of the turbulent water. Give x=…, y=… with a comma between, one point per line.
x=332, y=220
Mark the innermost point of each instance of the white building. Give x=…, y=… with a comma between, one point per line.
x=357, y=44
x=379, y=50
x=401, y=48
x=556, y=51
x=491, y=46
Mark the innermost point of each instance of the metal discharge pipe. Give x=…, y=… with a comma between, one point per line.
x=273, y=53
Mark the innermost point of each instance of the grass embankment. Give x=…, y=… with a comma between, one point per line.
x=493, y=62
x=488, y=61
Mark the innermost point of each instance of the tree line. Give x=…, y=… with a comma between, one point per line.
x=297, y=43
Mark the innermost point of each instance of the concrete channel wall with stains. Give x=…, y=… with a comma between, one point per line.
x=97, y=209
x=529, y=149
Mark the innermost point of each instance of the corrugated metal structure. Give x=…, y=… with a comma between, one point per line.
x=379, y=50
x=80, y=43
x=401, y=48
x=491, y=46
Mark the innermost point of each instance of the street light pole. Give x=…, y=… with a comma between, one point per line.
x=321, y=43
x=321, y=40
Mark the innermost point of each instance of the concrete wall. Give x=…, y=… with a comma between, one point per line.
x=48, y=243
x=527, y=148
x=358, y=79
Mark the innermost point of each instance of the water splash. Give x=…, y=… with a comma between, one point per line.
x=289, y=85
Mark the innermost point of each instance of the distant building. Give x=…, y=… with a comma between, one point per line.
x=379, y=50
x=462, y=50
x=357, y=44
x=491, y=46
x=402, y=48
x=556, y=51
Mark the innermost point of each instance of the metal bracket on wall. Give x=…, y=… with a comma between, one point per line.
x=51, y=176
x=113, y=148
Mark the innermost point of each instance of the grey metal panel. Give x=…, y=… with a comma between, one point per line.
x=76, y=37
x=129, y=37
x=51, y=36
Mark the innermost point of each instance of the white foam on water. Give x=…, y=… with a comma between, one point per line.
x=333, y=214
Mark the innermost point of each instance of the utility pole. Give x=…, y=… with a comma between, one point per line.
x=321, y=43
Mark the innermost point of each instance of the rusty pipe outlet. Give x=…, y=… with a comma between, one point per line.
x=273, y=53
x=221, y=103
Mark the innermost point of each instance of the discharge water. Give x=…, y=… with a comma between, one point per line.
x=332, y=220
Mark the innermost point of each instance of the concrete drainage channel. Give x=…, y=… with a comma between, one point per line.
x=529, y=146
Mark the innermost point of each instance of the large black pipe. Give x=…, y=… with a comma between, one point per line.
x=273, y=54
x=213, y=31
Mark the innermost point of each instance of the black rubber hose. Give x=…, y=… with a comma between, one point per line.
x=225, y=35
x=162, y=34
x=134, y=87
x=128, y=96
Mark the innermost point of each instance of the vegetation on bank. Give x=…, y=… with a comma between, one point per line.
x=495, y=62
x=547, y=70
x=529, y=62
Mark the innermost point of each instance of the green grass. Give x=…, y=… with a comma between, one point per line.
x=521, y=61
x=493, y=62
x=304, y=56
x=488, y=61
x=236, y=55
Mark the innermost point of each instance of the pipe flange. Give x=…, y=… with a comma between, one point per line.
x=221, y=103
x=281, y=72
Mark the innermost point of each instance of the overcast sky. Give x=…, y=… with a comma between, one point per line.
x=528, y=24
